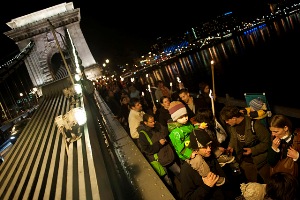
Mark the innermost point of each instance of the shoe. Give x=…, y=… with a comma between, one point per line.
x=220, y=181
x=224, y=159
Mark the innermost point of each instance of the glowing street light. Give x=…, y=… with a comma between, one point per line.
x=34, y=91
x=106, y=62
x=22, y=102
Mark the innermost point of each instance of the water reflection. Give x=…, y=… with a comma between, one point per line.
x=244, y=63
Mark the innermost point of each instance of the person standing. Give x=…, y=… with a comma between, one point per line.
x=175, y=91
x=135, y=117
x=133, y=92
x=154, y=131
x=162, y=90
x=112, y=103
x=284, y=151
x=192, y=104
x=251, y=149
x=204, y=92
x=163, y=112
x=124, y=112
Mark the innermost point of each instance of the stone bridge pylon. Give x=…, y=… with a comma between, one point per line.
x=45, y=62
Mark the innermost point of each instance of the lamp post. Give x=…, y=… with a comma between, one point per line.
x=212, y=63
x=22, y=103
x=34, y=91
x=104, y=65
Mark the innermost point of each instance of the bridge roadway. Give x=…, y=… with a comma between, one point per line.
x=103, y=164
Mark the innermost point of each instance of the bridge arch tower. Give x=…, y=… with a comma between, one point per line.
x=42, y=64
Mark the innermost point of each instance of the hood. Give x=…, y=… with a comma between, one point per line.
x=172, y=125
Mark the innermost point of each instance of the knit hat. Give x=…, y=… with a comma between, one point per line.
x=199, y=138
x=253, y=190
x=256, y=104
x=176, y=110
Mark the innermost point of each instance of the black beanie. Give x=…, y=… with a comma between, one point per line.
x=199, y=138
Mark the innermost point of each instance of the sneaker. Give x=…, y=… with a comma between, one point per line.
x=220, y=181
x=224, y=159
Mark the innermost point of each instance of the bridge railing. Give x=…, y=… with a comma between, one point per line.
x=103, y=164
x=146, y=183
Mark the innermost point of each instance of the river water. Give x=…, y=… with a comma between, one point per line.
x=262, y=60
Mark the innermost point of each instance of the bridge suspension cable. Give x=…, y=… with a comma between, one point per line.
x=11, y=65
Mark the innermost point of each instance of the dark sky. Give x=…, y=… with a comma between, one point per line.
x=115, y=30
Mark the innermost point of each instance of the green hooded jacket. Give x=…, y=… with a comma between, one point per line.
x=180, y=138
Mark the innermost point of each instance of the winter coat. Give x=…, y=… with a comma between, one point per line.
x=274, y=157
x=180, y=138
x=163, y=116
x=259, y=141
x=199, y=103
x=164, y=152
x=192, y=185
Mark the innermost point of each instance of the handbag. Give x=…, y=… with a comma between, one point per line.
x=160, y=170
x=286, y=165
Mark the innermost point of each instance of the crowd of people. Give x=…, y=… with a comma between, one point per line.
x=176, y=132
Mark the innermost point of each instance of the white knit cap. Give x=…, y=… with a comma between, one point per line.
x=176, y=110
x=253, y=190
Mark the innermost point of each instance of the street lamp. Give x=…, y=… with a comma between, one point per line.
x=105, y=64
x=22, y=103
x=34, y=91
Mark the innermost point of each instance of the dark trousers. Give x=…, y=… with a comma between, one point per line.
x=251, y=172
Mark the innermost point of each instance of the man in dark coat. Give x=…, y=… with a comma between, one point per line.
x=158, y=144
x=192, y=104
x=193, y=185
x=249, y=146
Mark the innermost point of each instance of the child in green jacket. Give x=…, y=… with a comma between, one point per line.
x=180, y=129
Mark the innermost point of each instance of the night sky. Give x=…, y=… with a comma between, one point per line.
x=120, y=30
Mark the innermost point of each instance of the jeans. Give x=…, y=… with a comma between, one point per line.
x=175, y=169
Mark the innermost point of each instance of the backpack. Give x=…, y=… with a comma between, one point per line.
x=252, y=126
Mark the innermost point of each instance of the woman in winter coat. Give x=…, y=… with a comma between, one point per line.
x=283, y=155
x=164, y=115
